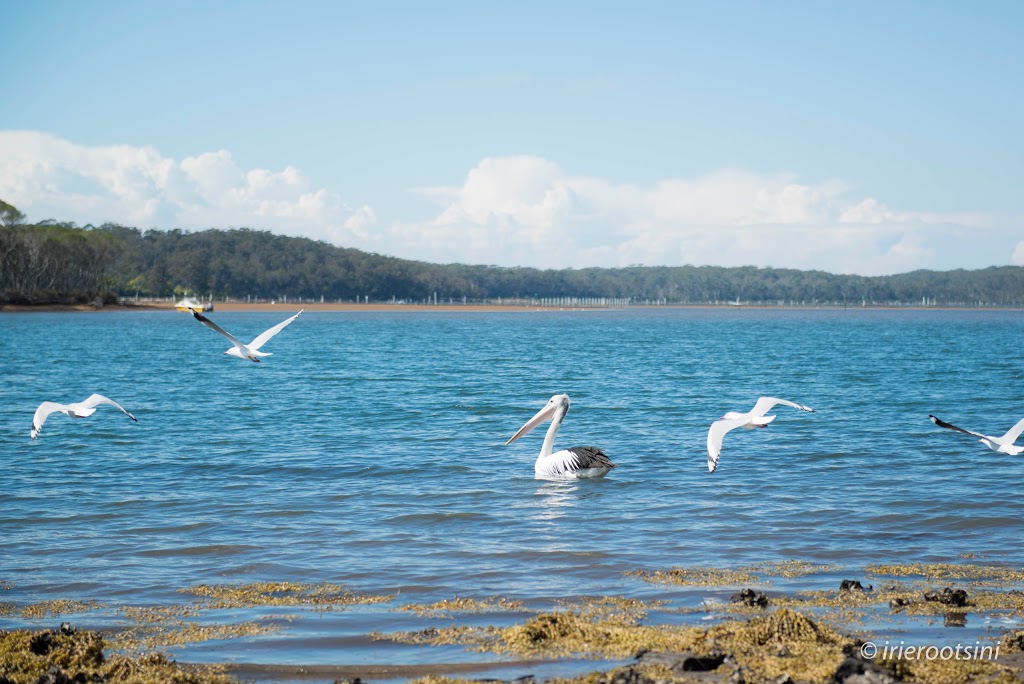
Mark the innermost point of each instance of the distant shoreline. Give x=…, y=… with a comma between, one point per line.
x=267, y=306
x=470, y=308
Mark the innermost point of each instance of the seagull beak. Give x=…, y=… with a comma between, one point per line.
x=542, y=415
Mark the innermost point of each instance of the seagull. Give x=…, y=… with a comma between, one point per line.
x=249, y=351
x=81, y=409
x=754, y=418
x=1003, y=445
x=578, y=462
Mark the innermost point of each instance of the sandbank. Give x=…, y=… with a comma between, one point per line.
x=291, y=306
x=377, y=307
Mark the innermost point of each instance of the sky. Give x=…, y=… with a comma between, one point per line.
x=867, y=137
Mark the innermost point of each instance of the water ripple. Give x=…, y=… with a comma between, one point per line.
x=370, y=449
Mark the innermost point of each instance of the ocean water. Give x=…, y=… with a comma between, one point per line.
x=369, y=451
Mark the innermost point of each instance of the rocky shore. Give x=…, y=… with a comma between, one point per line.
x=759, y=635
x=779, y=647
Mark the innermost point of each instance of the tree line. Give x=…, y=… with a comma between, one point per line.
x=55, y=262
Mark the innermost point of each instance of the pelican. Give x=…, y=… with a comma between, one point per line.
x=81, y=409
x=249, y=351
x=581, y=462
x=1003, y=445
x=754, y=418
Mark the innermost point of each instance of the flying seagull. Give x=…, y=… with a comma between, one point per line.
x=754, y=418
x=81, y=409
x=249, y=351
x=1003, y=445
x=580, y=462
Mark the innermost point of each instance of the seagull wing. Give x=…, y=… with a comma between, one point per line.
x=1011, y=436
x=44, y=410
x=715, y=435
x=950, y=426
x=264, y=336
x=97, y=399
x=765, y=404
x=213, y=326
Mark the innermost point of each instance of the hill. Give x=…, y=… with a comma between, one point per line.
x=60, y=262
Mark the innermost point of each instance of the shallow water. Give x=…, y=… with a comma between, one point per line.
x=369, y=451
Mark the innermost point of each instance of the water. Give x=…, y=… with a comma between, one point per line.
x=369, y=451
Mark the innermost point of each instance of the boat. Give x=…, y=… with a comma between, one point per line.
x=188, y=303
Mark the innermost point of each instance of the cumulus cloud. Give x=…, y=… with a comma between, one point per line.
x=527, y=210
x=48, y=177
x=511, y=211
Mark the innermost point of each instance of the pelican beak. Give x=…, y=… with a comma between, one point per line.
x=544, y=414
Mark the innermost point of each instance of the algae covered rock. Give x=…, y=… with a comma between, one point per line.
x=68, y=655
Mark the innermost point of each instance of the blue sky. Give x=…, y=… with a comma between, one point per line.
x=851, y=137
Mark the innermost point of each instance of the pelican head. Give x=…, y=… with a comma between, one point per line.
x=555, y=410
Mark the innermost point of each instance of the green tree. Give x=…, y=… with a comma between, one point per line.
x=10, y=216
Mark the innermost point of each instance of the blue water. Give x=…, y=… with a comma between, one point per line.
x=369, y=449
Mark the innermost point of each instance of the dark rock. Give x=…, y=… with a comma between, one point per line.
x=55, y=675
x=853, y=585
x=898, y=602
x=41, y=643
x=858, y=671
x=353, y=680
x=750, y=597
x=948, y=597
x=682, y=662
x=703, y=663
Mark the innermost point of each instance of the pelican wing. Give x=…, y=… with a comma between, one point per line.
x=1011, y=436
x=572, y=461
x=765, y=404
x=266, y=335
x=562, y=462
x=213, y=326
x=590, y=457
x=950, y=426
x=44, y=410
x=715, y=434
x=97, y=399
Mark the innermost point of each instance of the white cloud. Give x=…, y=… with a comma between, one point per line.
x=526, y=210
x=47, y=177
x=514, y=210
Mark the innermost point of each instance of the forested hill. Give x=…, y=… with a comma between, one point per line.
x=58, y=262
